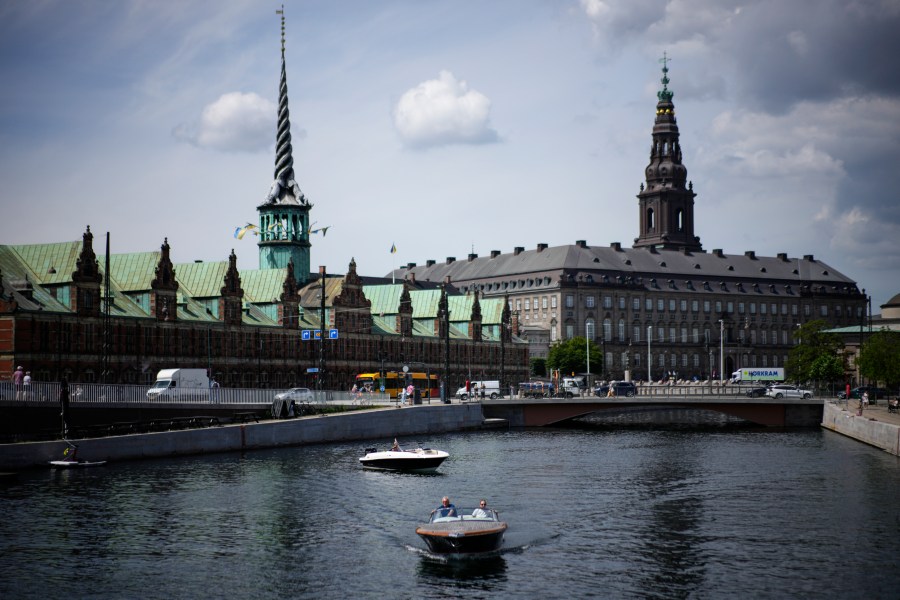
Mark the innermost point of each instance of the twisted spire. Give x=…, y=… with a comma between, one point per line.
x=284, y=189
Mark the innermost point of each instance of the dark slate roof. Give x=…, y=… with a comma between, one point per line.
x=544, y=267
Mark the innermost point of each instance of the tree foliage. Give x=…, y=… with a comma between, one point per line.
x=813, y=343
x=827, y=368
x=570, y=356
x=538, y=367
x=879, y=359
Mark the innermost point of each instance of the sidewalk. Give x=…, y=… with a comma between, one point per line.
x=878, y=412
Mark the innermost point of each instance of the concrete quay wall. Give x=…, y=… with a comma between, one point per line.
x=385, y=423
x=865, y=429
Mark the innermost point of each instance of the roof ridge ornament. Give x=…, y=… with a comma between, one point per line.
x=665, y=95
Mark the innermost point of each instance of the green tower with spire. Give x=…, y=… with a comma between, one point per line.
x=284, y=216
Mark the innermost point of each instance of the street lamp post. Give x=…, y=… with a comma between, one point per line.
x=721, y=349
x=587, y=345
x=649, y=360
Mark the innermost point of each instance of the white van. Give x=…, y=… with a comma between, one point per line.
x=188, y=385
x=491, y=390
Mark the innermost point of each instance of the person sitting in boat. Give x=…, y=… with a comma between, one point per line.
x=396, y=447
x=446, y=509
x=69, y=454
x=481, y=512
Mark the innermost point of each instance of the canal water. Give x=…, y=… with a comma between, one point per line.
x=698, y=513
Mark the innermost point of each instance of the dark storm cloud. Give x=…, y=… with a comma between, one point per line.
x=787, y=52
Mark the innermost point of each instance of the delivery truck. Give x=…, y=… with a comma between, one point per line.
x=182, y=385
x=758, y=374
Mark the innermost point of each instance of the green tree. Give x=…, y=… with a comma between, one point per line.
x=879, y=359
x=538, y=367
x=570, y=356
x=813, y=343
x=827, y=368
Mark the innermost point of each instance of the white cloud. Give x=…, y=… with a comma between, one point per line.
x=443, y=111
x=235, y=122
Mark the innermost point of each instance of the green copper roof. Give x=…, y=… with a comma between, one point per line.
x=425, y=303
x=201, y=279
x=49, y=263
x=385, y=299
x=263, y=285
x=132, y=272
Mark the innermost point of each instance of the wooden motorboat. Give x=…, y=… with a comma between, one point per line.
x=457, y=531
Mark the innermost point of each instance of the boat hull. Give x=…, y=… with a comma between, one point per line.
x=75, y=464
x=423, y=462
x=462, y=541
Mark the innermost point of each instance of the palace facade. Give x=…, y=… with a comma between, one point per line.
x=665, y=304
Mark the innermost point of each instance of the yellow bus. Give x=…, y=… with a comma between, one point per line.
x=395, y=381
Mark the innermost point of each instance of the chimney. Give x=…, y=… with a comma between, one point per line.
x=518, y=250
x=617, y=246
x=410, y=265
x=429, y=262
x=809, y=257
x=750, y=254
x=581, y=243
x=541, y=247
x=718, y=252
x=495, y=253
x=411, y=277
x=451, y=259
x=782, y=256
x=472, y=257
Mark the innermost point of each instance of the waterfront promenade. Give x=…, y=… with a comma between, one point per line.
x=876, y=426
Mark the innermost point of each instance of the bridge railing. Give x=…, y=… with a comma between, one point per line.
x=698, y=389
x=40, y=393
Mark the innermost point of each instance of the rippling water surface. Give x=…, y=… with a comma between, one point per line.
x=619, y=514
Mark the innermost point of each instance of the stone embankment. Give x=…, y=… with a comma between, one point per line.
x=384, y=423
x=876, y=426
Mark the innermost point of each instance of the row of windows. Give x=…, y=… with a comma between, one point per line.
x=753, y=308
x=681, y=334
x=675, y=360
x=673, y=305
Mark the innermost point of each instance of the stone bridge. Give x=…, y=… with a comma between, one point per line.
x=770, y=412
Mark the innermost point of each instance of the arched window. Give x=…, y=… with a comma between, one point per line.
x=621, y=331
x=679, y=219
x=650, y=223
x=607, y=330
x=589, y=330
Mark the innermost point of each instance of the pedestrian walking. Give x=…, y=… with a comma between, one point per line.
x=26, y=385
x=17, y=377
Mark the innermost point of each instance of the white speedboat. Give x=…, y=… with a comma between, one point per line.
x=420, y=460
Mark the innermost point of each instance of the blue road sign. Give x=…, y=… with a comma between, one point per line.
x=305, y=334
x=312, y=370
x=332, y=334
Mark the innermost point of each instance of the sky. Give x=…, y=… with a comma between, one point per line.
x=449, y=127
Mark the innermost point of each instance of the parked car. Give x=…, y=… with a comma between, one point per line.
x=857, y=392
x=783, y=390
x=756, y=391
x=620, y=388
x=296, y=394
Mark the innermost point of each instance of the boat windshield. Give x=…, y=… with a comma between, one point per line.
x=464, y=514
